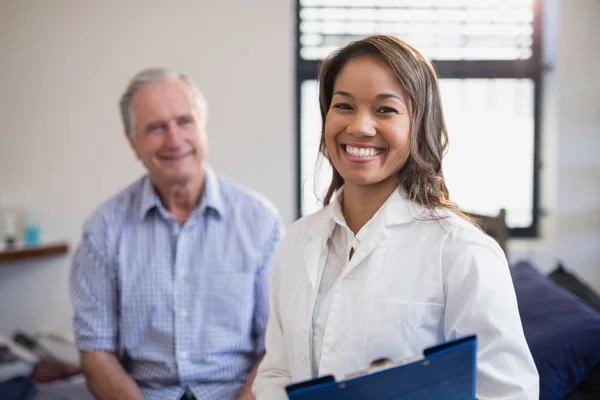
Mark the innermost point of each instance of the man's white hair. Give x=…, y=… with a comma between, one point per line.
x=155, y=75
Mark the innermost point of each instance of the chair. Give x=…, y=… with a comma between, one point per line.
x=494, y=226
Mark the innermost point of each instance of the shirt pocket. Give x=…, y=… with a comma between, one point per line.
x=401, y=329
x=228, y=308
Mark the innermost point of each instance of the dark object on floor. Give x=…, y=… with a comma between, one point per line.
x=19, y=388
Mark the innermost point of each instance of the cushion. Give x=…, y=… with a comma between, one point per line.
x=589, y=389
x=573, y=284
x=562, y=332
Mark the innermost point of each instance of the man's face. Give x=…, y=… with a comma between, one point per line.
x=170, y=140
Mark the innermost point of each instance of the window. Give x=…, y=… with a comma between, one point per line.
x=487, y=54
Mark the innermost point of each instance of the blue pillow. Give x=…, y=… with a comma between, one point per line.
x=562, y=332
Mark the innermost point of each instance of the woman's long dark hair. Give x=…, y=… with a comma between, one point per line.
x=421, y=175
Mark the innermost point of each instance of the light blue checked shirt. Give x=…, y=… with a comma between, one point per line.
x=182, y=306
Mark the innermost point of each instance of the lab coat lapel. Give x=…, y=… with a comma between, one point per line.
x=314, y=249
x=397, y=210
x=314, y=256
x=376, y=239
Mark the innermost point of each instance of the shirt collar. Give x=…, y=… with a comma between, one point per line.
x=396, y=210
x=212, y=193
x=149, y=198
x=211, y=197
x=337, y=216
x=336, y=208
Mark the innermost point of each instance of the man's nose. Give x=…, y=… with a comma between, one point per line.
x=174, y=134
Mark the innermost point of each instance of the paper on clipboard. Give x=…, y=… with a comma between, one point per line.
x=382, y=365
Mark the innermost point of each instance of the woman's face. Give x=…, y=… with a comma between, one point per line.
x=367, y=125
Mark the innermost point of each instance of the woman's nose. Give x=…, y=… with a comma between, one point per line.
x=362, y=124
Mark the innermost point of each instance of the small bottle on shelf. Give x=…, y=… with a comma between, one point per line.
x=10, y=222
x=32, y=228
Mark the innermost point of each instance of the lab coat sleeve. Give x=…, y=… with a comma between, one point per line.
x=481, y=300
x=274, y=371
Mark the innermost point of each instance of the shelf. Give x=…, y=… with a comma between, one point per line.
x=21, y=252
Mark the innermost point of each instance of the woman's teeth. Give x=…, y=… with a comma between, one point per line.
x=362, y=152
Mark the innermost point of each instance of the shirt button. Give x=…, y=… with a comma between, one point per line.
x=184, y=313
x=184, y=355
x=176, y=230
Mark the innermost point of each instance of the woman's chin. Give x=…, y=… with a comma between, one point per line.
x=364, y=181
x=368, y=181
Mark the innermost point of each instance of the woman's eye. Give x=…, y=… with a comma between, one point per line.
x=384, y=110
x=343, y=106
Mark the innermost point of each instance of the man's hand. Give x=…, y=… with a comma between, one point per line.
x=246, y=392
x=106, y=378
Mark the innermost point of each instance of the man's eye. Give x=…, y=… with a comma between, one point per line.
x=154, y=128
x=185, y=121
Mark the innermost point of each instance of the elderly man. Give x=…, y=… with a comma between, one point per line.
x=170, y=281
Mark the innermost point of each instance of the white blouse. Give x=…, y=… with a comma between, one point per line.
x=339, y=245
x=411, y=283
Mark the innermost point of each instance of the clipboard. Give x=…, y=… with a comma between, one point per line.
x=443, y=372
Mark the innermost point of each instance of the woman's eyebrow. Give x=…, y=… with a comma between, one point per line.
x=342, y=93
x=383, y=96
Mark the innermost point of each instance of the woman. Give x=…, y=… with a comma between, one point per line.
x=389, y=266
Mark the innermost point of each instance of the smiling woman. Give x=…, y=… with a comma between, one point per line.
x=375, y=95
x=389, y=266
x=367, y=126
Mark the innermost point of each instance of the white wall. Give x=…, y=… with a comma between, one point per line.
x=571, y=146
x=63, y=65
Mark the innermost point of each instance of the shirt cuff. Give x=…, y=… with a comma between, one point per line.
x=96, y=344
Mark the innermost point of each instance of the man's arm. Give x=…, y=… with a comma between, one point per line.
x=246, y=392
x=261, y=302
x=106, y=378
x=95, y=301
x=274, y=370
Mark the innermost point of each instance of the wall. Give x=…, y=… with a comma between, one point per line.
x=63, y=65
x=571, y=145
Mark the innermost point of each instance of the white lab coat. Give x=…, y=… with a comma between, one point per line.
x=410, y=285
